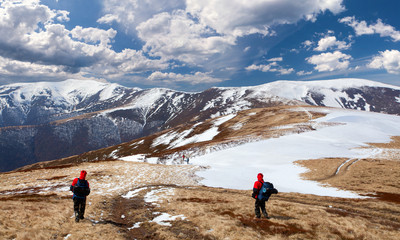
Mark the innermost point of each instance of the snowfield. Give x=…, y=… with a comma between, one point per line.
x=237, y=167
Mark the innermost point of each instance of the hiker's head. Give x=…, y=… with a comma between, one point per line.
x=83, y=174
x=260, y=176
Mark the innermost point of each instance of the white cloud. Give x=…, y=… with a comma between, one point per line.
x=10, y=67
x=196, y=78
x=307, y=43
x=330, y=61
x=108, y=19
x=330, y=42
x=362, y=28
x=32, y=37
x=271, y=67
x=94, y=35
x=247, y=49
x=303, y=73
x=192, y=31
x=241, y=17
x=277, y=59
x=389, y=60
x=177, y=36
x=130, y=13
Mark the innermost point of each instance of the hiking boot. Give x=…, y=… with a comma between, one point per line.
x=77, y=219
x=266, y=215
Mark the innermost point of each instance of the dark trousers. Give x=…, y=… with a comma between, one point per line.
x=79, y=207
x=260, y=205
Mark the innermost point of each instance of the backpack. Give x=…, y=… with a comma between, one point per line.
x=266, y=190
x=81, y=188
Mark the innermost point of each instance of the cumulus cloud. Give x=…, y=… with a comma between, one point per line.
x=330, y=42
x=362, y=28
x=93, y=35
x=34, y=36
x=130, y=13
x=177, y=36
x=192, y=31
x=196, y=78
x=31, y=35
x=389, y=60
x=240, y=18
x=330, y=61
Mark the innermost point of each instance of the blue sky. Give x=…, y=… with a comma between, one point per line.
x=192, y=45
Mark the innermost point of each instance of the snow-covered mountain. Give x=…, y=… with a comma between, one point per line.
x=45, y=121
x=43, y=102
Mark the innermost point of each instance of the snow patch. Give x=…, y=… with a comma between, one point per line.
x=154, y=197
x=237, y=167
x=164, y=219
x=136, y=225
x=174, y=139
x=133, y=193
x=134, y=158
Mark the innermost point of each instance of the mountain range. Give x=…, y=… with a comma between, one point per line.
x=46, y=121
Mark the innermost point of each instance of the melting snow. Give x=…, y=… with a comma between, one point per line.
x=133, y=193
x=154, y=195
x=136, y=225
x=165, y=217
x=174, y=139
x=237, y=167
x=133, y=158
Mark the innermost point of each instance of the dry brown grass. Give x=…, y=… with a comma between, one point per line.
x=380, y=174
x=213, y=213
x=37, y=205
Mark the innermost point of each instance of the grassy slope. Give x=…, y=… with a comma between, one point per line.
x=36, y=204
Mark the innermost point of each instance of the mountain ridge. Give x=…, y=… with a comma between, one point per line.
x=109, y=114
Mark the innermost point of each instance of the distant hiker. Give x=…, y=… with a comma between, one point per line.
x=80, y=188
x=261, y=192
x=183, y=157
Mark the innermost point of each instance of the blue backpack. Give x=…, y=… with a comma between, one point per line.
x=266, y=190
x=81, y=189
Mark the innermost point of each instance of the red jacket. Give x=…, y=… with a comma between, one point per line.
x=81, y=176
x=258, y=184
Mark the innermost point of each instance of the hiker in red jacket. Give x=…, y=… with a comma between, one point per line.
x=260, y=203
x=80, y=188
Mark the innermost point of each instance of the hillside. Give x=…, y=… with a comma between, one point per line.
x=210, y=197
x=46, y=121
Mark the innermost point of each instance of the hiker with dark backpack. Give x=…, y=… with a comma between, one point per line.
x=261, y=192
x=80, y=188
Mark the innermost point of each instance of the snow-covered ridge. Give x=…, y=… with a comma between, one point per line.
x=299, y=89
x=110, y=114
x=69, y=91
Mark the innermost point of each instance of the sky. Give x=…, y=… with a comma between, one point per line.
x=193, y=45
